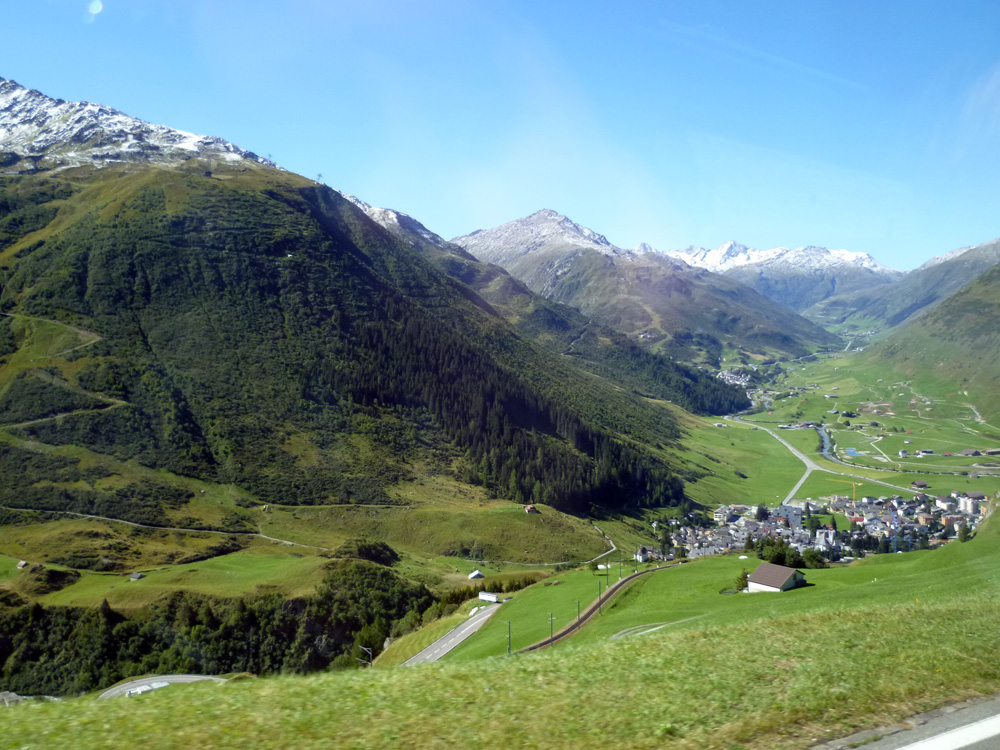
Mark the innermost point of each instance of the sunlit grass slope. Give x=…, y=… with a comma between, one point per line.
x=761, y=671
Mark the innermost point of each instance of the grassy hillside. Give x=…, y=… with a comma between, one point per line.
x=958, y=342
x=873, y=652
x=917, y=292
x=201, y=368
x=679, y=310
x=245, y=329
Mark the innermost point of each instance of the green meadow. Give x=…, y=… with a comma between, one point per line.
x=528, y=613
x=864, y=646
x=741, y=465
x=254, y=571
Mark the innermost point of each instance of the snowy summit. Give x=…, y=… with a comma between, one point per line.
x=44, y=132
x=733, y=255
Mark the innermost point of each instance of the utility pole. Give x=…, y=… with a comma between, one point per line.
x=370, y=662
x=578, y=612
x=508, y=635
x=599, y=611
x=551, y=625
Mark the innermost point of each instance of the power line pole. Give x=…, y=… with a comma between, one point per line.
x=508, y=635
x=578, y=612
x=551, y=625
x=599, y=611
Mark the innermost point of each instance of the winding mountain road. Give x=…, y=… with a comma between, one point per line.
x=153, y=682
x=810, y=464
x=453, y=637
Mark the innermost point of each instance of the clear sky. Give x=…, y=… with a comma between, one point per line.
x=868, y=126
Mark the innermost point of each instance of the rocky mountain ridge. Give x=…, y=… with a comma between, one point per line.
x=38, y=131
x=661, y=300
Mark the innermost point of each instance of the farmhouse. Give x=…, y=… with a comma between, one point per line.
x=919, y=484
x=770, y=577
x=530, y=509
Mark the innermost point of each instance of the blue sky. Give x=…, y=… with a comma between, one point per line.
x=872, y=127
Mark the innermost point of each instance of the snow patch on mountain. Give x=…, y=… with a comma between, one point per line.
x=400, y=224
x=952, y=254
x=734, y=255
x=543, y=229
x=49, y=132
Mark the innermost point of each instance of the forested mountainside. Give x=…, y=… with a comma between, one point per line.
x=956, y=341
x=563, y=329
x=247, y=326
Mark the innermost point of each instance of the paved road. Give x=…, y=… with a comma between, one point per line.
x=812, y=466
x=974, y=726
x=453, y=637
x=152, y=682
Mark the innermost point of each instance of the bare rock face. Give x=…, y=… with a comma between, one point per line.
x=39, y=132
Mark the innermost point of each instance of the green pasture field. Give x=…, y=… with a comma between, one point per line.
x=630, y=532
x=822, y=484
x=760, y=671
x=80, y=537
x=253, y=571
x=505, y=532
x=768, y=467
x=528, y=612
x=8, y=567
x=42, y=341
x=687, y=597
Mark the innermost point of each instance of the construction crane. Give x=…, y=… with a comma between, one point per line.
x=854, y=485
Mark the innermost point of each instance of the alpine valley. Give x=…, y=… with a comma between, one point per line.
x=252, y=424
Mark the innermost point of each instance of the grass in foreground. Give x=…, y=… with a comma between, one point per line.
x=758, y=685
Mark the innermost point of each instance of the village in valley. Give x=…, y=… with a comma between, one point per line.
x=873, y=525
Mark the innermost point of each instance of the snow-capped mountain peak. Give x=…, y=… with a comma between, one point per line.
x=543, y=230
x=48, y=132
x=733, y=255
x=551, y=223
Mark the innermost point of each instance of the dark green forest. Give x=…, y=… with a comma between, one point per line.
x=257, y=312
x=62, y=650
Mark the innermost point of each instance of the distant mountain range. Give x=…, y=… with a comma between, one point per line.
x=911, y=295
x=660, y=300
x=797, y=278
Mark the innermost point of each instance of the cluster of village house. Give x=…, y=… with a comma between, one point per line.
x=899, y=518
